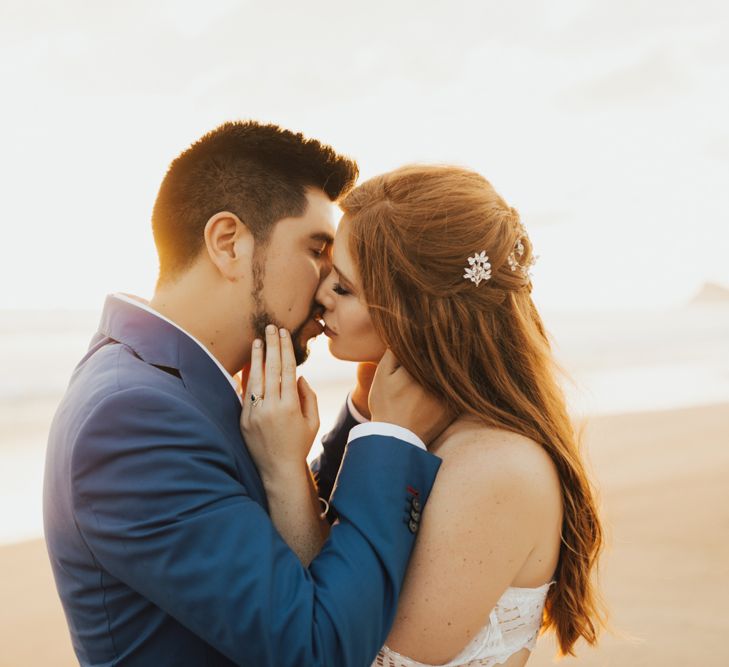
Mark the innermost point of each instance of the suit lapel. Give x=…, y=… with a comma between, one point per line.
x=160, y=343
x=211, y=388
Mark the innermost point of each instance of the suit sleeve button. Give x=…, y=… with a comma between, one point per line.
x=413, y=526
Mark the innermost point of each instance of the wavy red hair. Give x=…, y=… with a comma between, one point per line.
x=482, y=349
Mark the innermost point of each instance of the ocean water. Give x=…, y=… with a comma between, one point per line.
x=615, y=363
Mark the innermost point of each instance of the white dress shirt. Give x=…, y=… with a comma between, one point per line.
x=364, y=428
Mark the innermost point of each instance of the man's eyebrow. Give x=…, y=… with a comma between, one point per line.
x=322, y=236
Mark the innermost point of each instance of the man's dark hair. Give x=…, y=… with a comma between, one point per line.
x=259, y=172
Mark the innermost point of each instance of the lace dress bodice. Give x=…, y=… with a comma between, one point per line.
x=513, y=625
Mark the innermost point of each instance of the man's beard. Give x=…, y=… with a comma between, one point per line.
x=261, y=317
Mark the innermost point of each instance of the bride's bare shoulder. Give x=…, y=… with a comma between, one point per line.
x=494, y=511
x=474, y=452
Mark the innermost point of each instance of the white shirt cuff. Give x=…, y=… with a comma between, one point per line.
x=383, y=428
x=358, y=417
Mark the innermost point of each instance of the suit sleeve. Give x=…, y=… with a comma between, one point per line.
x=326, y=466
x=159, y=504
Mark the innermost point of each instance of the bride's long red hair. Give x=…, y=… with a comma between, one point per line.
x=483, y=349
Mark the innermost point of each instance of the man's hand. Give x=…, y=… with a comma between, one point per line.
x=361, y=393
x=397, y=399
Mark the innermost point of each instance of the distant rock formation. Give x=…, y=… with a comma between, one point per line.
x=711, y=293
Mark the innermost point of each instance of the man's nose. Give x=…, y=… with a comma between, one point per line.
x=326, y=267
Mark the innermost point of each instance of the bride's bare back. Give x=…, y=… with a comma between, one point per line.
x=492, y=522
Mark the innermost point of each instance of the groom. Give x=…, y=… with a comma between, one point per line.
x=155, y=515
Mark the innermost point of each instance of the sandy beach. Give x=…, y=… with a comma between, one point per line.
x=663, y=478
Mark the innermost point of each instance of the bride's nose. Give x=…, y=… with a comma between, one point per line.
x=324, y=295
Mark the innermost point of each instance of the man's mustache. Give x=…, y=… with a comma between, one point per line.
x=316, y=313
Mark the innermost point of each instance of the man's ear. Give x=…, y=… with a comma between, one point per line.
x=229, y=244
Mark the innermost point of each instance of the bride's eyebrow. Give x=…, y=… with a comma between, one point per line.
x=342, y=277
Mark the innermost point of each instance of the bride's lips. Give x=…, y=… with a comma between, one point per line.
x=328, y=331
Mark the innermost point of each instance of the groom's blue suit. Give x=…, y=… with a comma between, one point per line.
x=157, y=526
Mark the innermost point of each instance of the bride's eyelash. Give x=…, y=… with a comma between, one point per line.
x=338, y=289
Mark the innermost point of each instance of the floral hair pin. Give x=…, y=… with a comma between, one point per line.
x=515, y=259
x=480, y=268
x=512, y=258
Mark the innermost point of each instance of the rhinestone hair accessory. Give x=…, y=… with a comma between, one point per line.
x=515, y=256
x=480, y=268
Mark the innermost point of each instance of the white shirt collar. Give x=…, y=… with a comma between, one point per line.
x=141, y=303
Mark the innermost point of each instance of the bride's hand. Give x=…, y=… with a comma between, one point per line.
x=280, y=428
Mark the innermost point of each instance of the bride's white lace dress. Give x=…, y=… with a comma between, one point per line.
x=513, y=625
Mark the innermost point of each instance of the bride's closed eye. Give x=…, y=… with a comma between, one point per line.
x=338, y=289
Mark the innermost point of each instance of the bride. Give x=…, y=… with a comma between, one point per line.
x=433, y=265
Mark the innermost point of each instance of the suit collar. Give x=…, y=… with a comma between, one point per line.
x=143, y=305
x=159, y=342
x=152, y=338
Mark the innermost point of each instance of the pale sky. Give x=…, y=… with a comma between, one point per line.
x=604, y=123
